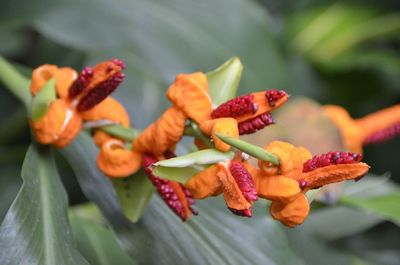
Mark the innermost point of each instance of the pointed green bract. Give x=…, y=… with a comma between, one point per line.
x=223, y=82
x=134, y=193
x=36, y=228
x=250, y=149
x=203, y=157
x=179, y=174
x=42, y=100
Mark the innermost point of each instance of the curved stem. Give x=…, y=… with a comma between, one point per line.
x=250, y=149
x=194, y=130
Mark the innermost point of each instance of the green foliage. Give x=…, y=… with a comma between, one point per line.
x=38, y=214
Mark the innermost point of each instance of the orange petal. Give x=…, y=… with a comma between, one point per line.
x=262, y=106
x=116, y=161
x=49, y=127
x=232, y=194
x=71, y=128
x=227, y=126
x=291, y=214
x=379, y=121
x=65, y=76
x=102, y=72
x=189, y=92
x=352, y=133
x=290, y=157
x=276, y=188
x=205, y=183
x=332, y=174
x=100, y=137
x=163, y=134
x=40, y=76
x=108, y=109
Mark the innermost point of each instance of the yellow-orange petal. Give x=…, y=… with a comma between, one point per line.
x=232, y=194
x=351, y=133
x=262, y=106
x=205, y=183
x=334, y=173
x=226, y=126
x=189, y=92
x=291, y=214
x=276, y=188
x=163, y=134
x=71, y=128
x=100, y=137
x=108, y=109
x=48, y=128
x=40, y=76
x=64, y=76
x=117, y=162
x=290, y=159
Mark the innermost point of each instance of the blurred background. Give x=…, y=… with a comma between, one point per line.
x=336, y=52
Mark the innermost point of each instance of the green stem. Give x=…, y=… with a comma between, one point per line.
x=128, y=134
x=15, y=82
x=194, y=130
x=250, y=149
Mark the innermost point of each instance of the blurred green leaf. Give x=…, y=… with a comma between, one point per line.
x=161, y=39
x=386, y=206
x=36, y=228
x=134, y=193
x=96, y=243
x=15, y=82
x=224, y=81
x=41, y=102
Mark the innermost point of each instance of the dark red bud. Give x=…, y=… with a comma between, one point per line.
x=331, y=158
x=257, y=123
x=80, y=84
x=236, y=107
x=244, y=180
x=274, y=95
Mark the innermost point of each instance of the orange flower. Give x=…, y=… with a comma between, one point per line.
x=230, y=178
x=189, y=93
x=226, y=126
x=374, y=128
x=116, y=161
x=298, y=172
x=76, y=95
x=162, y=135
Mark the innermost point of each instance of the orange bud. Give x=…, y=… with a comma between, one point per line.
x=291, y=214
x=109, y=109
x=71, y=128
x=277, y=188
x=205, y=183
x=100, y=137
x=116, y=161
x=189, y=93
x=163, y=134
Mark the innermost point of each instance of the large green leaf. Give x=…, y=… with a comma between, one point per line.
x=214, y=237
x=96, y=243
x=36, y=228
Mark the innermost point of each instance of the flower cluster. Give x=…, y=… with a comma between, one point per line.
x=84, y=99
